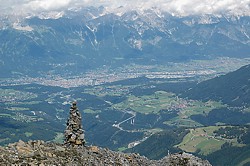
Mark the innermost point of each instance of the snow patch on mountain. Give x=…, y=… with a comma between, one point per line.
x=20, y=27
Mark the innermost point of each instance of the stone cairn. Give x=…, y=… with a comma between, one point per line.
x=74, y=135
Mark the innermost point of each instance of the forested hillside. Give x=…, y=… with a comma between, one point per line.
x=232, y=89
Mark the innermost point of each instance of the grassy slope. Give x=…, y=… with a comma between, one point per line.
x=165, y=101
x=204, y=141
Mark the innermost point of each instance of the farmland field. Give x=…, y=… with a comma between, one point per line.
x=204, y=141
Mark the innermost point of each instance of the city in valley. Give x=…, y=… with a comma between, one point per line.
x=199, y=70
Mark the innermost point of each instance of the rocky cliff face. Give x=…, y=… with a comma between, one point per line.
x=41, y=153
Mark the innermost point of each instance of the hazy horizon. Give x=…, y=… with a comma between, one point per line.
x=178, y=7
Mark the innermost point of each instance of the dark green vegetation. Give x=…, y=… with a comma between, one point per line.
x=30, y=111
x=158, y=145
x=226, y=139
x=164, y=103
x=234, y=155
x=221, y=145
x=148, y=116
x=25, y=113
x=232, y=89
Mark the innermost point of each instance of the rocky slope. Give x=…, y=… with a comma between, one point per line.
x=42, y=153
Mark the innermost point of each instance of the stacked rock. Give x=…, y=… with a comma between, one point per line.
x=74, y=133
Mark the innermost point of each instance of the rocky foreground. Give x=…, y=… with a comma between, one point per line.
x=41, y=153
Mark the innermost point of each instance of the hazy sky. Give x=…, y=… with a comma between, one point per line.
x=182, y=7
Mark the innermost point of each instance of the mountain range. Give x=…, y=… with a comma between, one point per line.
x=178, y=111
x=91, y=37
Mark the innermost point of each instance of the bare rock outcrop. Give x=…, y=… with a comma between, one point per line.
x=46, y=154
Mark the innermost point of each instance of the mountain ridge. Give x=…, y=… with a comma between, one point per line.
x=41, y=153
x=90, y=38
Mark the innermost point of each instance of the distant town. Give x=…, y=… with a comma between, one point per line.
x=194, y=69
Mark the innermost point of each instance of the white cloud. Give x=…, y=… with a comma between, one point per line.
x=180, y=7
x=47, y=5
